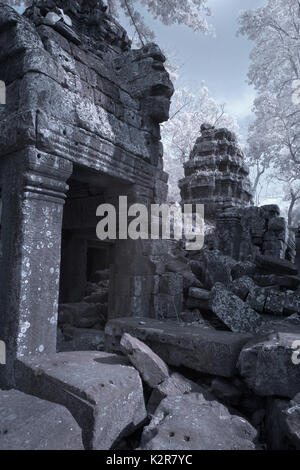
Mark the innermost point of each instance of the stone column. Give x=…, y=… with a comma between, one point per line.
x=229, y=231
x=33, y=192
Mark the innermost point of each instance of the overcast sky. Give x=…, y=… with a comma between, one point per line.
x=221, y=61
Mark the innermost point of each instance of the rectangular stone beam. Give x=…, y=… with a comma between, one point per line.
x=207, y=351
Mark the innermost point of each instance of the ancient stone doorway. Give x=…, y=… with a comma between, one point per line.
x=85, y=260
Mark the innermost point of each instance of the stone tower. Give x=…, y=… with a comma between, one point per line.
x=216, y=174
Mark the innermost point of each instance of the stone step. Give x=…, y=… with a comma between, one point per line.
x=205, y=350
x=101, y=390
x=29, y=423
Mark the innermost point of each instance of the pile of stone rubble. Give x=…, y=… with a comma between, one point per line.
x=81, y=324
x=179, y=387
x=237, y=339
x=227, y=360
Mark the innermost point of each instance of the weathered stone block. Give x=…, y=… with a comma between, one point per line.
x=267, y=367
x=275, y=302
x=232, y=311
x=189, y=422
x=102, y=392
x=174, y=385
x=152, y=369
x=204, y=350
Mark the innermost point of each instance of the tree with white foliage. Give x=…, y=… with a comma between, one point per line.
x=290, y=194
x=188, y=111
x=264, y=144
x=192, y=13
x=274, y=136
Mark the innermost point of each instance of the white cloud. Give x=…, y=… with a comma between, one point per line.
x=241, y=107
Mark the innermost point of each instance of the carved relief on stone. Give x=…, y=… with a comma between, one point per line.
x=144, y=72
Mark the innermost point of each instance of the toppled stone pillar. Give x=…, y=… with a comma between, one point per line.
x=216, y=174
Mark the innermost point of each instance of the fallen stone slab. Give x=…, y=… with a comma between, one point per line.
x=267, y=366
x=174, y=385
x=29, y=423
x=202, y=349
x=270, y=265
x=232, y=311
x=152, y=369
x=101, y=390
x=190, y=422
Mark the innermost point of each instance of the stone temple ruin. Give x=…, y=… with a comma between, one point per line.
x=105, y=338
x=216, y=173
